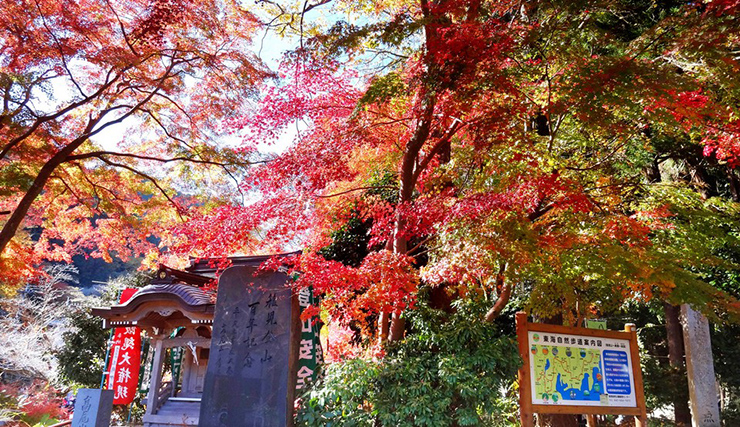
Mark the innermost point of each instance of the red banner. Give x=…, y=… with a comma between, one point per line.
x=125, y=355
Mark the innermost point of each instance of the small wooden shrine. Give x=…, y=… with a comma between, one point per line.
x=176, y=310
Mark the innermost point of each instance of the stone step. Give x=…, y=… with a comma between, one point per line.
x=174, y=413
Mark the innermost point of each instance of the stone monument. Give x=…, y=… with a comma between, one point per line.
x=93, y=408
x=703, y=396
x=250, y=379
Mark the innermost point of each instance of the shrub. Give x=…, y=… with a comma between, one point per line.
x=452, y=370
x=41, y=404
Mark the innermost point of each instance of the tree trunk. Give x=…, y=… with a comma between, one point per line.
x=706, y=185
x=734, y=184
x=652, y=172
x=43, y=176
x=674, y=336
x=504, y=289
x=407, y=177
x=383, y=327
x=674, y=333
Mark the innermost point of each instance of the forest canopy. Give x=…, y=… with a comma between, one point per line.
x=581, y=154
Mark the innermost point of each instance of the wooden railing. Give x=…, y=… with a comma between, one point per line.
x=165, y=391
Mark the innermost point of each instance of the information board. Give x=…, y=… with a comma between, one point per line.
x=568, y=370
x=580, y=370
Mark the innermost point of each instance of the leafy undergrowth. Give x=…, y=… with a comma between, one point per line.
x=450, y=371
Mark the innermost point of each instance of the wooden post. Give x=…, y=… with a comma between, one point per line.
x=640, y=420
x=186, y=370
x=525, y=384
x=591, y=420
x=154, y=382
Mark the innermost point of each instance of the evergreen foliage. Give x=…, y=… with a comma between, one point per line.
x=452, y=371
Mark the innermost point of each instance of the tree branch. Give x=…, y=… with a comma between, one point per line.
x=456, y=125
x=150, y=179
x=356, y=189
x=123, y=30
x=43, y=119
x=100, y=154
x=42, y=177
x=504, y=295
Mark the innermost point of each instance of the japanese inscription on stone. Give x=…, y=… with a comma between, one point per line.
x=93, y=408
x=247, y=375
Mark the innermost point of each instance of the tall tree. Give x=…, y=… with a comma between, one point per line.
x=163, y=74
x=514, y=137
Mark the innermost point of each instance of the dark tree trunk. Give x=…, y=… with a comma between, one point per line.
x=674, y=333
x=734, y=184
x=706, y=185
x=652, y=172
x=674, y=336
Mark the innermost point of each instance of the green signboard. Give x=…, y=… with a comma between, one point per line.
x=596, y=324
x=147, y=363
x=309, y=350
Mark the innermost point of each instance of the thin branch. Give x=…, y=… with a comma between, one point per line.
x=372, y=187
x=99, y=154
x=150, y=179
x=165, y=130
x=419, y=245
x=61, y=51
x=69, y=188
x=388, y=52
x=456, y=125
x=654, y=41
x=123, y=30
x=95, y=186
x=600, y=162
x=307, y=8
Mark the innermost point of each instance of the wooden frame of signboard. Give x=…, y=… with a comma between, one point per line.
x=528, y=409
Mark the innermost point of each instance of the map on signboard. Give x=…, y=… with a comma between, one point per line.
x=580, y=370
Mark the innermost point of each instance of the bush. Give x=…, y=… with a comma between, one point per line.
x=452, y=370
x=36, y=404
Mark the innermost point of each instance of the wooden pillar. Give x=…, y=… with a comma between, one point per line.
x=156, y=376
x=186, y=369
x=640, y=420
x=525, y=384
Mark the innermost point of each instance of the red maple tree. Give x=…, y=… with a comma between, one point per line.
x=488, y=152
x=70, y=71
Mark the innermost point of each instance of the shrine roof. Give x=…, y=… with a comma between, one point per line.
x=191, y=293
x=195, y=303
x=212, y=266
